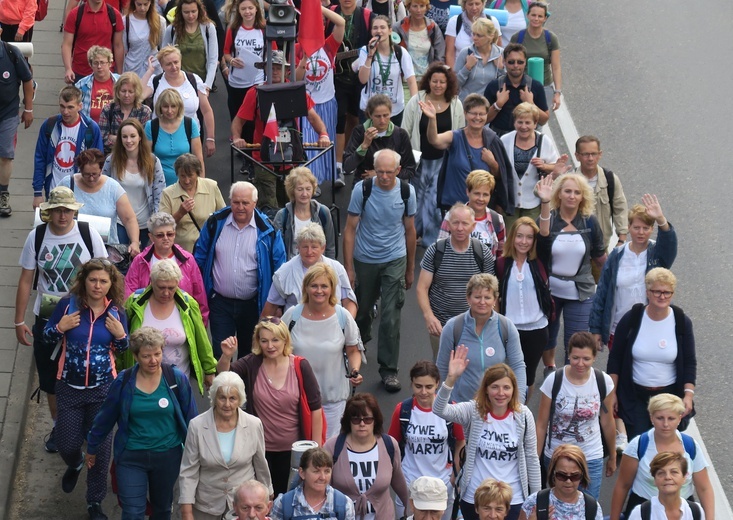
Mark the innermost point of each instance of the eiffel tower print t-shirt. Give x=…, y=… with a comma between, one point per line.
x=59, y=258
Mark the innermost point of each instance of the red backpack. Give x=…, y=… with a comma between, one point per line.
x=42, y=10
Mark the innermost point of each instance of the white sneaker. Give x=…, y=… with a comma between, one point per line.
x=621, y=442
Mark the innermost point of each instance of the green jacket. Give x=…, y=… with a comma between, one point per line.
x=202, y=357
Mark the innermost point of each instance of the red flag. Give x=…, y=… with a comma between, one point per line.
x=271, y=129
x=311, y=30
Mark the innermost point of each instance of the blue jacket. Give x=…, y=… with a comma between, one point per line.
x=270, y=251
x=661, y=253
x=88, y=350
x=116, y=409
x=46, y=147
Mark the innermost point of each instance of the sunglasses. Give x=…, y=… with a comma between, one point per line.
x=270, y=319
x=102, y=261
x=573, y=477
x=365, y=420
x=516, y=62
x=161, y=236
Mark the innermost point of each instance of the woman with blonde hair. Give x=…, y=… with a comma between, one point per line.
x=273, y=377
x=139, y=172
x=493, y=499
x=126, y=104
x=300, y=185
x=570, y=239
x=481, y=61
x=666, y=412
x=502, y=442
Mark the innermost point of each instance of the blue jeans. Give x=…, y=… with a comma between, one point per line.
x=428, y=218
x=595, y=470
x=143, y=472
x=576, y=315
x=229, y=317
x=124, y=238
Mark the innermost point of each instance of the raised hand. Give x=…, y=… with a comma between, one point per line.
x=544, y=188
x=458, y=362
x=427, y=108
x=561, y=166
x=653, y=209
x=369, y=136
x=229, y=346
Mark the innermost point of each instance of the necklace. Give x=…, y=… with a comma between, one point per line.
x=318, y=506
x=435, y=102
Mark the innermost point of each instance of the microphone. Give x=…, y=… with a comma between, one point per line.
x=373, y=44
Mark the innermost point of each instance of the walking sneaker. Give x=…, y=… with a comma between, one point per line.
x=391, y=383
x=547, y=371
x=95, y=511
x=340, y=182
x=621, y=442
x=50, y=442
x=71, y=476
x=5, y=209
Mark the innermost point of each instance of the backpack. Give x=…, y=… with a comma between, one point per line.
x=168, y=374
x=11, y=52
x=42, y=10
x=86, y=237
x=341, y=440
x=687, y=441
x=339, y=505
x=501, y=326
x=206, y=36
x=51, y=122
x=602, y=392
x=80, y=14
x=543, y=505
x=155, y=129
x=548, y=40
x=406, y=413
x=646, y=510
x=340, y=313
x=366, y=192
x=189, y=77
x=478, y=253
x=611, y=181
x=322, y=210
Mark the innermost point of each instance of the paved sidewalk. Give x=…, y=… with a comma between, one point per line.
x=16, y=361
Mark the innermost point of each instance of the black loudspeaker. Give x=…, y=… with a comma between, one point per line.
x=289, y=99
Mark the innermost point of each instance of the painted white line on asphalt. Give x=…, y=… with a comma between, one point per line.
x=570, y=135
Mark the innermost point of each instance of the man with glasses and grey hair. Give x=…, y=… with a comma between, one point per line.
x=238, y=251
x=379, y=256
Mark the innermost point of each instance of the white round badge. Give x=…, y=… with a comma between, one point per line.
x=186, y=95
x=163, y=403
x=6, y=74
x=49, y=257
x=662, y=343
x=490, y=351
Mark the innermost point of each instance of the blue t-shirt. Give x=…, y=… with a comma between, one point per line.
x=169, y=147
x=380, y=234
x=101, y=204
x=458, y=168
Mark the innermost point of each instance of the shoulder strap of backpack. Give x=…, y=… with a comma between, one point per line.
x=170, y=378
x=548, y=41
x=297, y=312
x=695, y=510
x=79, y=15
x=192, y=80
x=155, y=129
x=503, y=328
x=538, y=140
x=156, y=82
x=188, y=128
x=478, y=253
x=543, y=504
x=40, y=234
x=459, y=25
x=405, y=193
x=112, y=20
x=556, y=385
x=646, y=510
x=689, y=444
x=390, y=447
x=127, y=29
x=10, y=49
x=458, y=329
x=520, y=36
x=86, y=236
x=602, y=392
x=398, y=55
x=439, y=252
x=339, y=504
x=495, y=222
x=405, y=414
x=48, y=126
x=366, y=192
x=338, y=447
x=591, y=506
x=286, y=502
x=611, y=181
x=643, y=445
x=341, y=316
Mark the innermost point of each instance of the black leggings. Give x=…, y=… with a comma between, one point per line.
x=533, y=344
x=279, y=463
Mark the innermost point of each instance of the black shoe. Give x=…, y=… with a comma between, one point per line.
x=247, y=170
x=71, y=476
x=548, y=370
x=391, y=383
x=5, y=209
x=50, y=442
x=95, y=511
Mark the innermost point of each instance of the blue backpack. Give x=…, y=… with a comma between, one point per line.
x=687, y=441
x=339, y=505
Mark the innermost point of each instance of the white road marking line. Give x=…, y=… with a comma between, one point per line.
x=570, y=135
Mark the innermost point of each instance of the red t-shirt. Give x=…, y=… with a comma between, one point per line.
x=95, y=29
x=102, y=95
x=249, y=111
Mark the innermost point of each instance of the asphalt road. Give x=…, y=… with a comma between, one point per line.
x=649, y=80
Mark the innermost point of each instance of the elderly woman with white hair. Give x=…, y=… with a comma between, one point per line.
x=287, y=282
x=225, y=446
x=164, y=306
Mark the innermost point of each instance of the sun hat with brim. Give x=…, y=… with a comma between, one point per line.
x=429, y=494
x=61, y=197
x=278, y=58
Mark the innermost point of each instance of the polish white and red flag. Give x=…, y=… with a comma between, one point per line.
x=271, y=129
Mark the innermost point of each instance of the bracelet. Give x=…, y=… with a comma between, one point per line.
x=544, y=201
x=544, y=219
x=498, y=109
x=558, y=92
x=211, y=139
x=29, y=111
x=225, y=69
x=447, y=387
x=662, y=225
x=689, y=391
x=19, y=324
x=325, y=135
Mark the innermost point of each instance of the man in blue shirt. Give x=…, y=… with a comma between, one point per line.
x=379, y=255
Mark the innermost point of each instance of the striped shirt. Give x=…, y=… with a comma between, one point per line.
x=235, y=262
x=447, y=293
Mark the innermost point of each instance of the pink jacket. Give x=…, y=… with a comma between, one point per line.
x=19, y=12
x=138, y=276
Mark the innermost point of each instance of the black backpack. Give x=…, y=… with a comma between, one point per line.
x=476, y=245
x=406, y=413
x=155, y=130
x=366, y=192
x=543, y=505
x=646, y=510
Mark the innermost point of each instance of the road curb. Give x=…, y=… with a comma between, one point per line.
x=14, y=424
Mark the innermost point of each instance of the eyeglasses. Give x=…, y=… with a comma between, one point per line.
x=91, y=175
x=573, y=477
x=477, y=114
x=516, y=62
x=661, y=294
x=385, y=172
x=359, y=420
x=586, y=155
x=161, y=236
x=100, y=63
x=270, y=319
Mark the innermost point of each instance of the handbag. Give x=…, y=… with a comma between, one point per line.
x=306, y=415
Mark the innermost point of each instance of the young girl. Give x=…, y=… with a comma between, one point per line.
x=431, y=446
